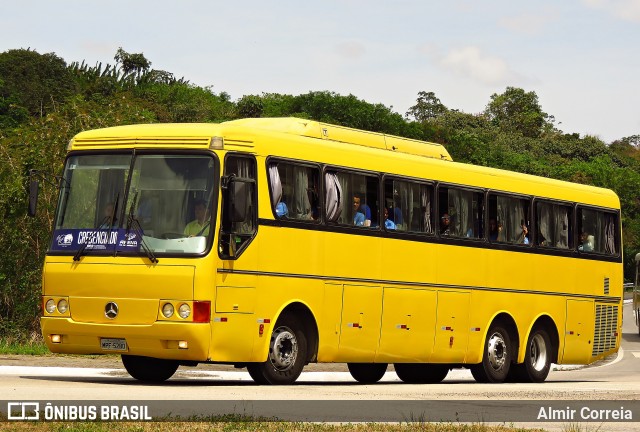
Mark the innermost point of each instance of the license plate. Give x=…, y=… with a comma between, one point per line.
x=113, y=344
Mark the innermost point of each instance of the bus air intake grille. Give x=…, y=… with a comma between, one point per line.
x=605, y=333
x=606, y=286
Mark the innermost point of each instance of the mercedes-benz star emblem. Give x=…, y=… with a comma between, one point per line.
x=111, y=310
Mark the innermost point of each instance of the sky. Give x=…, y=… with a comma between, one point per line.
x=581, y=57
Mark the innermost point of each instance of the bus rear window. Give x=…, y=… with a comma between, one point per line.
x=597, y=231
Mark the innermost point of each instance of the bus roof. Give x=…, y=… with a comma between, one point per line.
x=193, y=133
x=411, y=158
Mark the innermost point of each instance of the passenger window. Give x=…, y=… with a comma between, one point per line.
x=553, y=225
x=408, y=206
x=509, y=220
x=352, y=199
x=236, y=236
x=597, y=231
x=461, y=212
x=294, y=191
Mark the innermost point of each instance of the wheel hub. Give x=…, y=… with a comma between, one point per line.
x=538, y=353
x=284, y=348
x=497, y=351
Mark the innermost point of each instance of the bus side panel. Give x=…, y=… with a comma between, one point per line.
x=360, y=326
x=408, y=324
x=452, y=327
x=578, y=334
x=329, y=323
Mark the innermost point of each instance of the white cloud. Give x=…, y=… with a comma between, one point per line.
x=628, y=10
x=471, y=62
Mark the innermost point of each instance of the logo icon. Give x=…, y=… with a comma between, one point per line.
x=64, y=239
x=111, y=310
x=25, y=411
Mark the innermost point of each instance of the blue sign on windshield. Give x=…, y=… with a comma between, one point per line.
x=95, y=240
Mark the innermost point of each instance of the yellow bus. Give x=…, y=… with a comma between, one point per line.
x=272, y=243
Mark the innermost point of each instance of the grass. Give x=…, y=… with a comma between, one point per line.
x=28, y=347
x=250, y=425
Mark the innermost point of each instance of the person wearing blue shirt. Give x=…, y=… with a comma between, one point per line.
x=363, y=209
x=523, y=238
x=282, y=210
x=358, y=219
x=388, y=223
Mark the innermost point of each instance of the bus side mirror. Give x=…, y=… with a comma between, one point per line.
x=238, y=194
x=34, y=186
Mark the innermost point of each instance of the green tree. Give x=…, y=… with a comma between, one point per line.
x=133, y=65
x=37, y=82
x=250, y=106
x=517, y=110
x=427, y=106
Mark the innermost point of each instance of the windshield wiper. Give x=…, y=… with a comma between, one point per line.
x=134, y=223
x=108, y=218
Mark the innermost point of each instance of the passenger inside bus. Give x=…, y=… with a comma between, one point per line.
x=523, y=238
x=445, y=228
x=586, y=242
x=282, y=210
x=388, y=223
x=362, y=216
x=107, y=214
x=495, y=230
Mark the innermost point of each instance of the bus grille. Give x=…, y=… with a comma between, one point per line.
x=605, y=334
x=606, y=286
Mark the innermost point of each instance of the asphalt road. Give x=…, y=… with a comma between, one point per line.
x=616, y=380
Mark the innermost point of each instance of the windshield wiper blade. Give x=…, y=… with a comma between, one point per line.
x=108, y=218
x=134, y=223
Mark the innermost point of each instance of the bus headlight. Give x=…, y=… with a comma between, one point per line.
x=63, y=306
x=184, y=311
x=167, y=310
x=50, y=306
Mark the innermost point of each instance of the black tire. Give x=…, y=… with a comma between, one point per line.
x=287, y=354
x=149, y=369
x=420, y=373
x=537, y=359
x=367, y=373
x=497, y=357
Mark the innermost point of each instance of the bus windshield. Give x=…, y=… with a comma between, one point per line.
x=121, y=203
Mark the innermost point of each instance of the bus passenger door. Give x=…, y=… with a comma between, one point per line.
x=452, y=327
x=360, y=324
x=408, y=323
x=578, y=335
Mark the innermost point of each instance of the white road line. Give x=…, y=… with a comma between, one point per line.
x=456, y=374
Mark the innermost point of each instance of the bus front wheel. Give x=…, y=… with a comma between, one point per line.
x=287, y=354
x=149, y=369
x=496, y=358
x=417, y=373
x=367, y=373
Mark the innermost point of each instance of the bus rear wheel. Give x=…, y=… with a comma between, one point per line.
x=419, y=373
x=367, y=373
x=149, y=369
x=496, y=359
x=537, y=359
x=287, y=354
